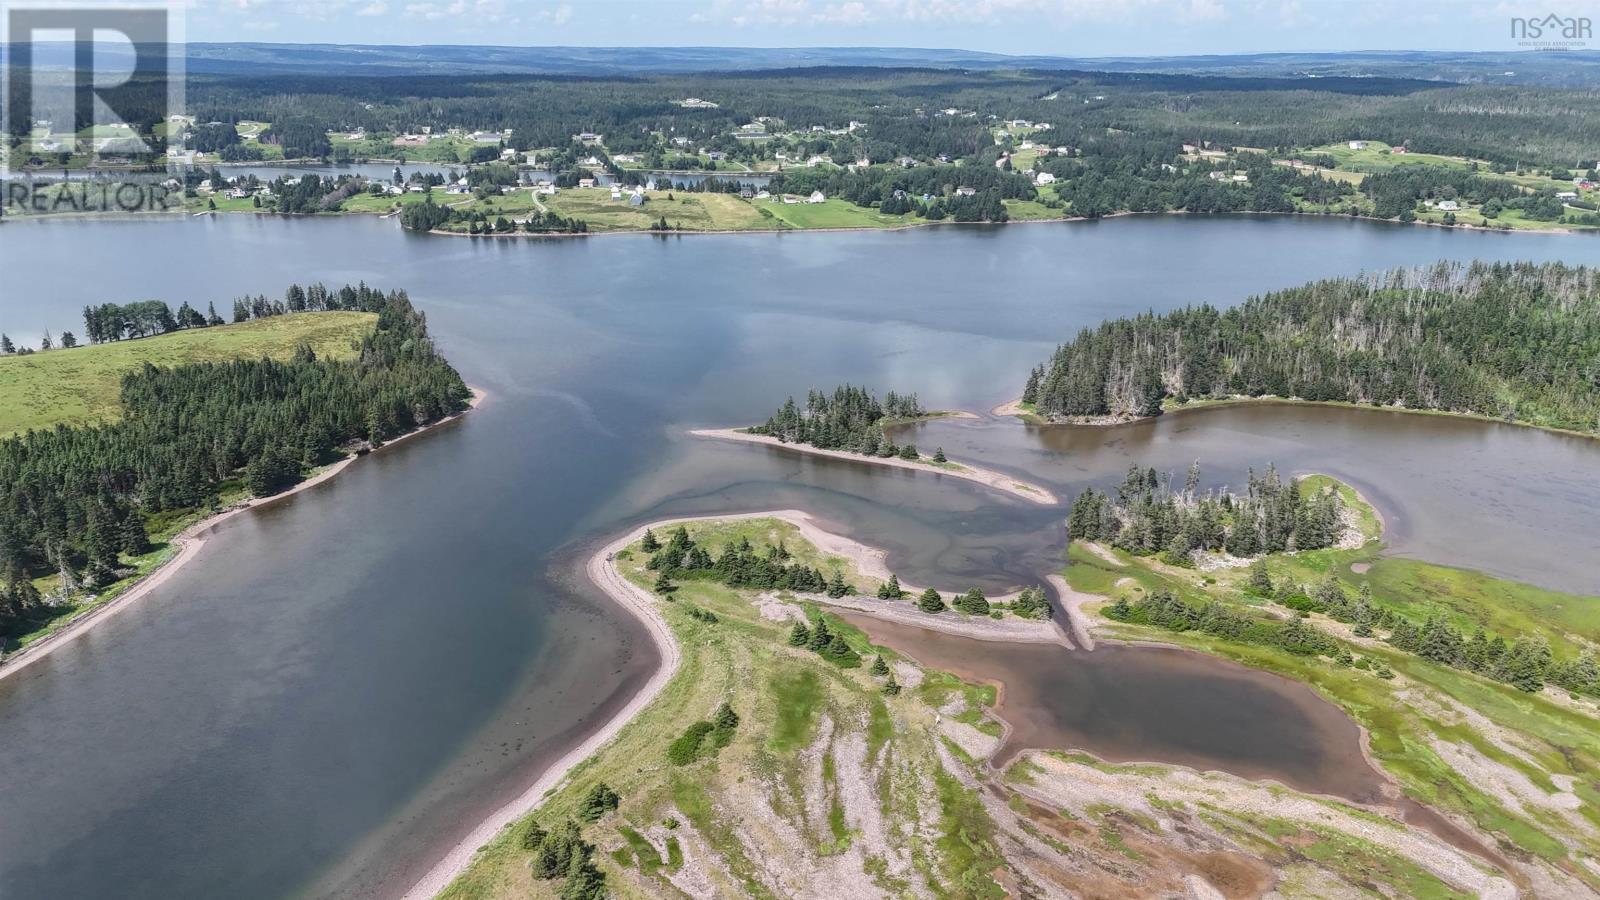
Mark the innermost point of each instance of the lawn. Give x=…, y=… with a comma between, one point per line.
x=82, y=385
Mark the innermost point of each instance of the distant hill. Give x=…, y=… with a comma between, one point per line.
x=1571, y=69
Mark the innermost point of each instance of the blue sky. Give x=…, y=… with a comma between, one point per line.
x=1062, y=27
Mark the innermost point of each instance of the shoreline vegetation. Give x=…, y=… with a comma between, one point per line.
x=189, y=542
x=1447, y=338
x=166, y=418
x=643, y=826
x=989, y=478
x=1490, y=733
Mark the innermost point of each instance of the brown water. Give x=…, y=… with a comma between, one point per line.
x=1192, y=710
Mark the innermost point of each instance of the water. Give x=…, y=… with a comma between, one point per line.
x=336, y=689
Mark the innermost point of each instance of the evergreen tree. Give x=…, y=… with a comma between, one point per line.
x=938, y=455
x=799, y=635
x=649, y=542
x=600, y=800
x=879, y=667
x=930, y=601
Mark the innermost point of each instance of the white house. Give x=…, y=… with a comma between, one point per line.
x=1241, y=178
x=1449, y=205
x=966, y=191
x=616, y=192
x=1358, y=145
x=1566, y=195
x=816, y=197
x=586, y=182
x=1044, y=178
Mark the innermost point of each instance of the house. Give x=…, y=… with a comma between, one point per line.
x=635, y=199
x=586, y=182
x=1240, y=178
x=746, y=192
x=415, y=189
x=906, y=162
x=622, y=158
x=588, y=137
x=508, y=153
x=1448, y=205
x=763, y=195
x=1044, y=178
x=548, y=190
x=650, y=185
x=1217, y=176
x=790, y=199
x=1188, y=148
x=1358, y=145
x=717, y=156
x=590, y=161
x=486, y=137
x=965, y=191
x=237, y=193
x=816, y=197
x=1566, y=195
x=1026, y=145
x=681, y=141
x=616, y=192
x=1401, y=150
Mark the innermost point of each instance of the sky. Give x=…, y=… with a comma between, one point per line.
x=1081, y=28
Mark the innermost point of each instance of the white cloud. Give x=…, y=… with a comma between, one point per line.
x=375, y=8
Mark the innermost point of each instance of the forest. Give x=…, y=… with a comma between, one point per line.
x=1146, y=514
x=1514, y=341
x=851, y=418
x=78, y=500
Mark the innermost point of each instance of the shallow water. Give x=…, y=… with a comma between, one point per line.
x=335, y=689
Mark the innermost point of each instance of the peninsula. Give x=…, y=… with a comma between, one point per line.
x=135, y=476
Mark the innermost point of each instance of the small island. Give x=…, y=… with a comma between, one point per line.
x=853, y=424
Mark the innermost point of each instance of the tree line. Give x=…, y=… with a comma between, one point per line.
x=1515, y=341
x=1146, y=515
x=76, y=500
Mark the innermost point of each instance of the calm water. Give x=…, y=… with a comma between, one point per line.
x=339, y=686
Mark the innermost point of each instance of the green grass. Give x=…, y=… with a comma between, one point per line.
x=832, y=214
x=684, y=211
x=796, y=694
x=83, y=385
x=1562, y=741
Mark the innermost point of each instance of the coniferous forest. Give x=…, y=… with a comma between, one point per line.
x=1516, y=341
x=76, y=499
x=1146, y=514
x=850, y=418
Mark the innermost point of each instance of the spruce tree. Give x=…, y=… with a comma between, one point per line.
x=930, y=601
x=649, y=543
x=938, y=455
x=799, y=635
x=879, y=667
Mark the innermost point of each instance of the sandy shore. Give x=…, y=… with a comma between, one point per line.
x=602, y=570
x=189, y=542
x=1072, y=602
x=987, y=477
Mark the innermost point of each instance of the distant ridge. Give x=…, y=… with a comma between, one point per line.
x=1569, y=69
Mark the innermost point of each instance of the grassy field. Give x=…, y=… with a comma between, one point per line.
x=828, y=780
x=832, y=214
x=686, y=211
x=1502, y=758
x=82, y=385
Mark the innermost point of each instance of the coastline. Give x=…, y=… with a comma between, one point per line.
x=643, y=605
x=1013, y=408
x=987, y=477
x=189, y=542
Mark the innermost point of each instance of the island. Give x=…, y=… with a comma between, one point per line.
x=852, y=424
x=121, y=452
x=1450, y=338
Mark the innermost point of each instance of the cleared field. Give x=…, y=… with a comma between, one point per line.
x=686, y=212
x=83, y=385
x=832, y=214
